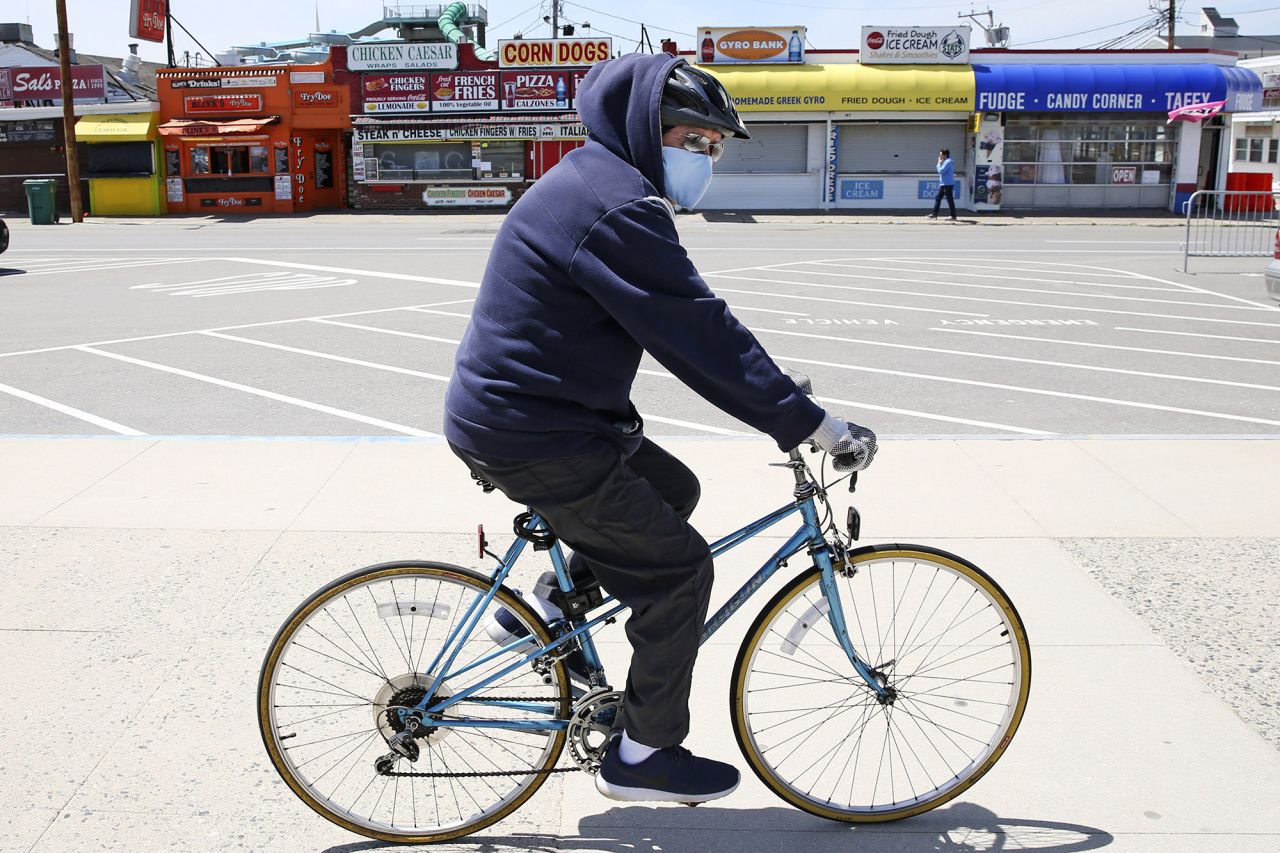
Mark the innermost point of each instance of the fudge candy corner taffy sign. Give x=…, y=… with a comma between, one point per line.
x=1085, y=88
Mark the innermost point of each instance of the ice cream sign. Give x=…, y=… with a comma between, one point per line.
x=915, y=45
x=751, y=44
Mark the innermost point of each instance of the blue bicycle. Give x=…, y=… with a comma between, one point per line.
x=879, y=683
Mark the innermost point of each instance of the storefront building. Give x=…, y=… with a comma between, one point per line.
x=1026, y=129
x=124, y=164
x=441, y=128
x=253, y=139
x=1253, y=146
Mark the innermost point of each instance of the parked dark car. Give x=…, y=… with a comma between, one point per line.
x=4, y=236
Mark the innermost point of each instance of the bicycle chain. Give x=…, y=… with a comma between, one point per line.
x=488, y=773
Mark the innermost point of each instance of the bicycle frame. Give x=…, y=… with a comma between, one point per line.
x=809, y=535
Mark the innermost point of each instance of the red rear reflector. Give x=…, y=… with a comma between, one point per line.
x=482, y=544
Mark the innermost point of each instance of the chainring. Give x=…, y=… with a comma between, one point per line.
x=590, y=725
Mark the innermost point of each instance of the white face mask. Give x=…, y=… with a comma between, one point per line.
x=685, y=175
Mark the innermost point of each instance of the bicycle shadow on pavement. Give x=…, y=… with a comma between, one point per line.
x=961, y=828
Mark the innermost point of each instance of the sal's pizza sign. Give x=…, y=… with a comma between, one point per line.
x=44, y=83
x=539, y=53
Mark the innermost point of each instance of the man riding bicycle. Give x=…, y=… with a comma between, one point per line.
x=586, y=274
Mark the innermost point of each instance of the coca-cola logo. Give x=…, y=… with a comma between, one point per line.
x=875, y=40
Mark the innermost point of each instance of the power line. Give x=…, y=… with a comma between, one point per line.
x=1084, y=32
x=628, y=20
x=537, y=6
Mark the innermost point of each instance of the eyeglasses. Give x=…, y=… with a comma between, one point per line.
x=703, y=145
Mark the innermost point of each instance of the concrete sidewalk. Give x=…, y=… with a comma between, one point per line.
x=145, y=577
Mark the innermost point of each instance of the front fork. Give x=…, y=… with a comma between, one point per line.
x=822, y=552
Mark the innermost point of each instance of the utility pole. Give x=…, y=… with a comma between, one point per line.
x=69, y=114
x=555, y=18
x=1173, y=13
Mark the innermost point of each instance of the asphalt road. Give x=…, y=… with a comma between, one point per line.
x=347, y=325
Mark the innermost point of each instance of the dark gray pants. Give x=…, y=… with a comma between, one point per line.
x=947, y=191
x=625, y=518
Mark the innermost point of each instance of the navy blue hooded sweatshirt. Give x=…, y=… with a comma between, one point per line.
x=586, y=272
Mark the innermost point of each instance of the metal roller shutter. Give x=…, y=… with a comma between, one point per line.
x=898, y=147
x=772, y=149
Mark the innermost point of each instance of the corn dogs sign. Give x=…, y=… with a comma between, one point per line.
x=543, y=53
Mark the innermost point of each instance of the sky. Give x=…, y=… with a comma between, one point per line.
x=101, y=26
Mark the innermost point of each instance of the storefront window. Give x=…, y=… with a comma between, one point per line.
x=120, y=160
x=1257, y=150
x=501, y=161
x=1087, y=150
x=258, y=158
x=432, y=161
x=200, y=160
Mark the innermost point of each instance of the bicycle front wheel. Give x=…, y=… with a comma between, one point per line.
x=940, y=634
x=356, y=657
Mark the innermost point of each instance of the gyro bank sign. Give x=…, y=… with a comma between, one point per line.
x=914, y=46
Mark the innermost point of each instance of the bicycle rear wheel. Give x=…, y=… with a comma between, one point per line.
x=943, y=636
x=367, y=645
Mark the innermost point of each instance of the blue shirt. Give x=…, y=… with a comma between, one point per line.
x=947, y=173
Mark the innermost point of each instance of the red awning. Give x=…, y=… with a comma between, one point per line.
x=185, y=127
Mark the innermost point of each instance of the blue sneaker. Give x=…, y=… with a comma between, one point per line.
x=670, y=775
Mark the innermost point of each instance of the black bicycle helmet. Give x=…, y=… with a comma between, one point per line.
x=692, y=96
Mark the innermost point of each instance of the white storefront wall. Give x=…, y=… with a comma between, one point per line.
x=868, y=175
x=788, y=177
x=1254, y=142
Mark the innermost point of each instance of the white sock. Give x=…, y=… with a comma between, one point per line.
x=632, y=752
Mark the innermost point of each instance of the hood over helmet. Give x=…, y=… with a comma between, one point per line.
x=619, y=101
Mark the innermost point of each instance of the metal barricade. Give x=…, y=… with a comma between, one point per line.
x=1230, y=224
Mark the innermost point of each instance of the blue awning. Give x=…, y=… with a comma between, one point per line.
x=1113, y=88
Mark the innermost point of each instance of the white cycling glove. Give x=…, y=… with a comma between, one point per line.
x=852, y=447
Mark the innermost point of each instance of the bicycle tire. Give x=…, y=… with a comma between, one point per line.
x=331, y=592
x=864, y=560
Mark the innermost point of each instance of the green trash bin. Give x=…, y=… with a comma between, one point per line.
x=41, y=194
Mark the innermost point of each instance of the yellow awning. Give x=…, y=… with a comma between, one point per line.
x=125, y=127
x=839, y=88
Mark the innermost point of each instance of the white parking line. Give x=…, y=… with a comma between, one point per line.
x=121, y=429
x=115, y=266
x=1107, y=346
x=440, y=313
x=383, y=331
x=340, y=358
x=1026, y=390
x=259, y=392
x=980, y=299
x=227, y=328
x=1196, y=335
x=1047, y=363
x=928, y=416
x=439, y=378
x=349, y=271
x=662, y=374
x=989, y=275
x=838, y=301
x=1014, y=289
x=1001, y=264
